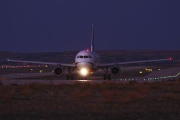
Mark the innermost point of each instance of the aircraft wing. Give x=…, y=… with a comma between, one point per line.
x=47, y=63
x=133, y=62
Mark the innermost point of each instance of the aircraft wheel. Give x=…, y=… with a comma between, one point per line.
x=67, y=77
x=72, y=77
x=109, y=77
x=104, y=77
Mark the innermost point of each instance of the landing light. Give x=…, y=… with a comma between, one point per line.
x=84, y=71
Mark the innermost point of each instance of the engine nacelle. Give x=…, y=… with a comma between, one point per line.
x=115, y=70
x=58, y=71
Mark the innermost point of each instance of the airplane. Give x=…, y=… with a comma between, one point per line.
x=87, y=61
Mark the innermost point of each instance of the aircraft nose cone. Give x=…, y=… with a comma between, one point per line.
x=84, y=65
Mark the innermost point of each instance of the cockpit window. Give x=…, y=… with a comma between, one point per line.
x=89, y=56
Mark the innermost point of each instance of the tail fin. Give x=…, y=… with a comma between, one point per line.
x=92, y=39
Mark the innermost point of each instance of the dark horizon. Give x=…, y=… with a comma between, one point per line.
x=56, y=26
x=135, y=50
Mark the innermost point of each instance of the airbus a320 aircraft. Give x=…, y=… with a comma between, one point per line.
x=88, y=61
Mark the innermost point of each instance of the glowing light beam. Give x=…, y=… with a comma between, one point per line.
x=84, y=71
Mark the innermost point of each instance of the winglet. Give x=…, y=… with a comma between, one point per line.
x=92, y=39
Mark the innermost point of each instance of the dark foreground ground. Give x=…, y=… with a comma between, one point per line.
x=127, y=101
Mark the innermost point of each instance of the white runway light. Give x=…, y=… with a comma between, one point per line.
x=84, y=71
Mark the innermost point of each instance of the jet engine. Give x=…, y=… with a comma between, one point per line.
x=115, y=70
x=58, y=71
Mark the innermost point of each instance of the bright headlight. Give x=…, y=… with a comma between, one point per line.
x=84, y=71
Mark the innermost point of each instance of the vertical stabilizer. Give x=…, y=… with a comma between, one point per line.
x=92, y=39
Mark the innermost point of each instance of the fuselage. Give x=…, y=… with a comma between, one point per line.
x=87, y=59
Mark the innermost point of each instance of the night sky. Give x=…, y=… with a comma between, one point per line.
x=65, y=25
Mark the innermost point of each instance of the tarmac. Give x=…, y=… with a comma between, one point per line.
x=155, y=76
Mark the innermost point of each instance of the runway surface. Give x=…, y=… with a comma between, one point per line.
x=156, y=76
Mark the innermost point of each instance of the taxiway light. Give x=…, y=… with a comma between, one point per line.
x=40, y=71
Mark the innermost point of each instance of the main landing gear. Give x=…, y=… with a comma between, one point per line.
x=69, y=76
x=106, y=75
